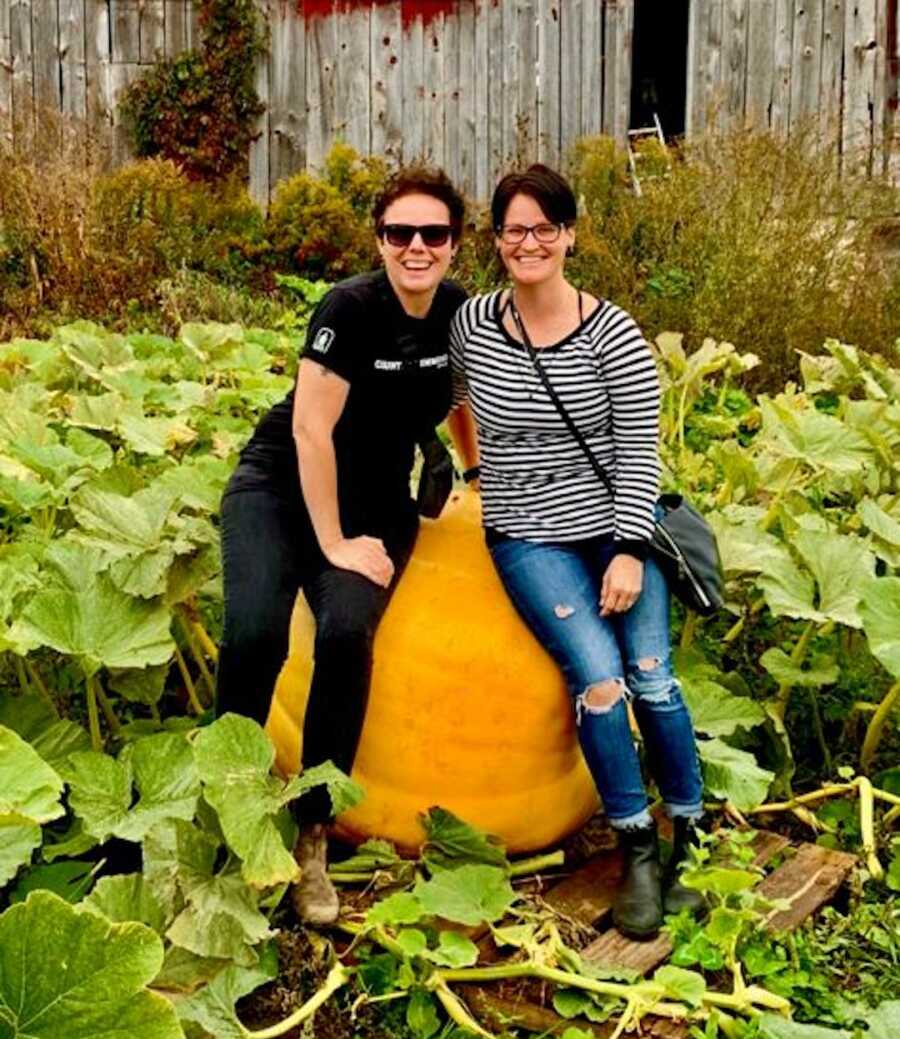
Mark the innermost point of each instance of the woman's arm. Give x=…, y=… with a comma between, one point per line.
x=319, y=399
x=461, y=425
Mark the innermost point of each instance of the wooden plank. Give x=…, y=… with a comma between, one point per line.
x=570, y=83
x=482, y=175
x=806, y=62
x=194, y=30
x=287, y=93
x=711, y=73
x=258, y=159
x=809, y=880
x=587, y=895
x=119, y=75
x=509, y=75
x=618, y=37
x=694, y=120
x=450, y=46
x=413, y=73
x=434, y=94
x=176, y=27
x=22, y=72
x=525, y=102
x=493, y=16
x=45, y=44
x=780, y=118
x=831, y=76
x=734, y=67
x=591, y=70
x=321, y=44
x=548, y=129
x=73, y=70
x=613, y=949
x=97, y=58
x=351, y=77
x=152, y=31
x=6, y=77
x=126, y=32
x=860, y=44
x=386, y=35
x=466, y=86
x=760, y=63
x=884, y=91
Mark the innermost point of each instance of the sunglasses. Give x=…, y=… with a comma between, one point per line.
x=400, y=235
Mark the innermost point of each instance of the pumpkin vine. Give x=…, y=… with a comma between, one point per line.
x=200, y=108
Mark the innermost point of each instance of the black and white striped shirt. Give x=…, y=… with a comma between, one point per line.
x=536, y=483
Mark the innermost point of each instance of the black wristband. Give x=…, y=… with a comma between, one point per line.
x=471, y=474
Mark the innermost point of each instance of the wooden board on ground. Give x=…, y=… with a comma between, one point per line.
x=809, y=879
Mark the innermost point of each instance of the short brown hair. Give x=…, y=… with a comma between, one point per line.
x=548, y=188
x=422, y=180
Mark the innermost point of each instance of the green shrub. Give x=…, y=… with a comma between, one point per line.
x=151, y=214
x=322, y=227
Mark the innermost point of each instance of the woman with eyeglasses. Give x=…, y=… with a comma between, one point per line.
x=573, y=557
x=320, y=499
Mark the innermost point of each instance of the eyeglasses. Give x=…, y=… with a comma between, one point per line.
x=401, y=235
x=515, y=234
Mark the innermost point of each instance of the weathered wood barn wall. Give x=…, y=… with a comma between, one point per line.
x=470, y=84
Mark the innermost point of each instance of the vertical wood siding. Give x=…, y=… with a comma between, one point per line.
x=474, y=85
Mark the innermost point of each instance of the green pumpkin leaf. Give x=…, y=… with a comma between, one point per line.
x=96, y=623
x=35, y=720
x=213, y=1007
x=745, y=548
x=880, y=612
x=789, y=591
x=19, y=836
x=811, y=436
x=822, y=669
x=100, y=411
x=235, y=758
x=403, y=907
x=412, y=941
x=884, y=1021
x=733, y=774
x=28, y=786
x=450, y=842
x=842, y=567
x=685, y=985
x=160, y=767
x=771, y=1026
x=126, y=896
x=421, y=1014
x=177, y=856
x=69, y=973
x=453, y=950
x=467, y=895
x=716, y=711
x=70, y=880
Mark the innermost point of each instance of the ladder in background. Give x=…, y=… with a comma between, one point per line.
x=639, y=134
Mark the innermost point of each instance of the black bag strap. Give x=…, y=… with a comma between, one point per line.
x=600, y=472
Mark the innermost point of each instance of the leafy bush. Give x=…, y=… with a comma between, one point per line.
x=744, y=237
x=157, y=221
x=323, y=226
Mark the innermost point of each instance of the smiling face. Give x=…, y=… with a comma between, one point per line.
x=415, y=270
x=531, y=262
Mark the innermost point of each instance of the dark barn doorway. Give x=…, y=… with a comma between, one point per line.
x=659, y=64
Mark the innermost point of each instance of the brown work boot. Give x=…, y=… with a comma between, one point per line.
x=314, y=897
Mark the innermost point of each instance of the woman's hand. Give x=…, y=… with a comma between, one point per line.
x=365, y=555
x=621, y=585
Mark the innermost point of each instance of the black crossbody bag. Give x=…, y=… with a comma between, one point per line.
x=683, y=543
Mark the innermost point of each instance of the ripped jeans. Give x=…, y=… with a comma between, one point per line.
x=556, y=588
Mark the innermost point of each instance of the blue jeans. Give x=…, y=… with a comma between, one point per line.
x=556, y=588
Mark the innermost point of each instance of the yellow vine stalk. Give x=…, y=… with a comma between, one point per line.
x=876, y=725
x=338, y=976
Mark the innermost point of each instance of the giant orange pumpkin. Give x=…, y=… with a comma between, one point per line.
x=466, y=709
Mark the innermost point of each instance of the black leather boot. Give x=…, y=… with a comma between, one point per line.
x=675, y=895
x=637, y=910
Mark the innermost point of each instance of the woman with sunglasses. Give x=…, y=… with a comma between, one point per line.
x=573, y=558
x=320, y=498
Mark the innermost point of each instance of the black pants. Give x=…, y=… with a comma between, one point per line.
x=268, y=554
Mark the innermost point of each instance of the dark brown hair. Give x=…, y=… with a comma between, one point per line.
x=548, y=188
x=422, y=180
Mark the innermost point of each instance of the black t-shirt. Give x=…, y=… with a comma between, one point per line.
x=399, y=375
